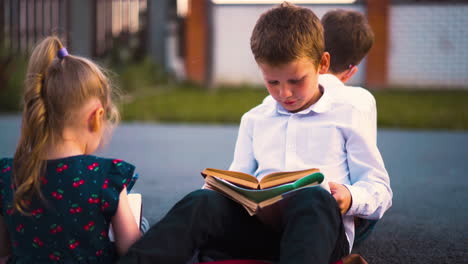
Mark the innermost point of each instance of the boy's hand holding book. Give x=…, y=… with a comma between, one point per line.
x=342, y=196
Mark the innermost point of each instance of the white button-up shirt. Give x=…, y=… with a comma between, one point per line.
x=337, y=135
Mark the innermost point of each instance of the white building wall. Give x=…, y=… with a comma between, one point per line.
x=429, y=46
x=233, y=61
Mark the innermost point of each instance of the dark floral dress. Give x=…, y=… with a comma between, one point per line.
x=71, y=225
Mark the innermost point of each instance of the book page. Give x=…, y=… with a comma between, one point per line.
x=278, y=178
x=134, y=200
x=236, y=177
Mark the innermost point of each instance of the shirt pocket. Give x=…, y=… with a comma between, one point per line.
x=324, y=146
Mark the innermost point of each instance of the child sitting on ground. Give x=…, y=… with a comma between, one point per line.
x=348, y=39
x=305, y=126
x=56, y=199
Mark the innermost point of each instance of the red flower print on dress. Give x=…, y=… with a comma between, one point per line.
x=105, y=184
x=37, y=242
x=90, y=226
x=61, y=167
x=103, y=234
x=58, y=194
x=20, y=228
x=6, y=169
x=94, y=199
x=75, y=209
x=55, y=256
x=117, y=162
x=72, y=244
x=9, y=210
x=99, y=253
x=93, y=167
x=37, y=212
x=104, y=205
x=77, y=182
x=54, y=229
x=44, y=180
x=125, y=182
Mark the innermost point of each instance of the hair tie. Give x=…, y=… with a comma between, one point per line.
x=62, y=53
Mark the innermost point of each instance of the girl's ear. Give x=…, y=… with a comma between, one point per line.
x=96, y=119
x=324, y=63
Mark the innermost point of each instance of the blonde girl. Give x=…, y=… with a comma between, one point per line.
x=56, y=199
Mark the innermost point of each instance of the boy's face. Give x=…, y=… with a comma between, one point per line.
x=295, y=85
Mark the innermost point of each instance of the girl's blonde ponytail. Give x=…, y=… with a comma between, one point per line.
x=29, y=160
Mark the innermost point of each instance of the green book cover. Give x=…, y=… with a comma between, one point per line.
x=264, y=194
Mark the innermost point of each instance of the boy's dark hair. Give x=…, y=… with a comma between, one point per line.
x=348, y=38
x=285, y=33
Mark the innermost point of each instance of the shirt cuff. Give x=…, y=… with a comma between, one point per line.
x=355, y=199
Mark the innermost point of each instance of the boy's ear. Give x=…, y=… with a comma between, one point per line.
x=349, y=73
x=324, y=63
x=95, y=120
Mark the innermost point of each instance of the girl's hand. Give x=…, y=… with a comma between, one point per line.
x=341, y=195
x=124, y=226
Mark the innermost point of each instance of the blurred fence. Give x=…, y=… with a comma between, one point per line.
x=93, y=22
x=24, y=22
x=426, y=47
x=117, y=17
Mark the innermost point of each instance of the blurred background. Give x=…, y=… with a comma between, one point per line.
x=188, y=63
x=190, y=60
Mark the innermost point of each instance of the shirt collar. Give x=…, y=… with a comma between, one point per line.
x=321, y=106
x=330, y=80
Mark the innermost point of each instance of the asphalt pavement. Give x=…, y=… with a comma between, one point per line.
x=428, y=222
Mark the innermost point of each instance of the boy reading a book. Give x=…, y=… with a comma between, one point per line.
x=348, y=39
x=306, y=126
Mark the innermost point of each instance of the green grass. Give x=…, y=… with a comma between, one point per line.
x=192, y=105
x=443, y=109
x=439, y=109
x=152, y=95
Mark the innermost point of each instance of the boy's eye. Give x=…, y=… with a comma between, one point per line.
x=273, y=82
x=297, y=81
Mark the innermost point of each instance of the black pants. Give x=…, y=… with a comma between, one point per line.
x=311, y=231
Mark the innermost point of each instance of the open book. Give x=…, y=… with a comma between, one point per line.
x=255, y=195
x=250, y=181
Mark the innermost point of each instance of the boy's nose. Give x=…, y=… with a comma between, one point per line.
x=285, y=91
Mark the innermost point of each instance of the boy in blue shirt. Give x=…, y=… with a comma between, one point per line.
x=305, y=126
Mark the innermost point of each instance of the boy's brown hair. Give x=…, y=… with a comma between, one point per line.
x=285, y=33
x=348, y=38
